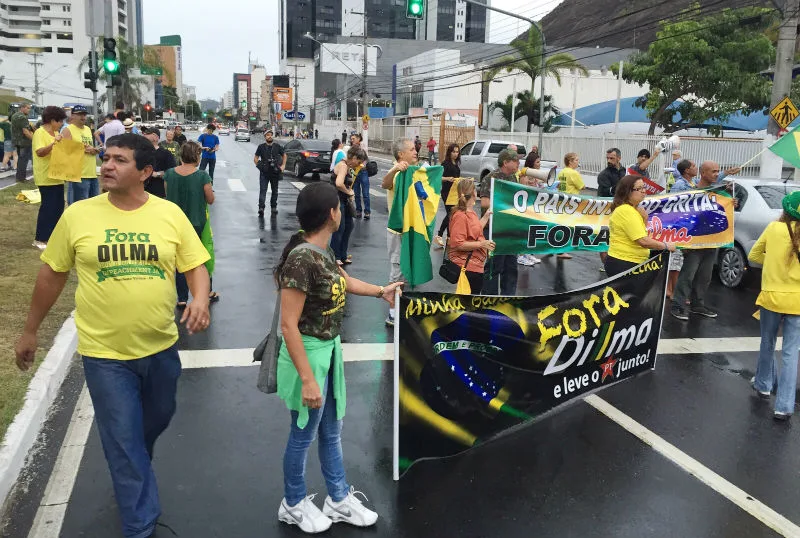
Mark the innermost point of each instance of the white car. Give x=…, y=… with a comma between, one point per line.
x=224, y=131
x=242, y=134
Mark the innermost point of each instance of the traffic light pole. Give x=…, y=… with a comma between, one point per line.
x=108, y=31
x=94, y=68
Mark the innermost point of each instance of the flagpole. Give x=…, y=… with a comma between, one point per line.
x=753, y=158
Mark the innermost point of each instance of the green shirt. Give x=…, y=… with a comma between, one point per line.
x=19, y=121
x=188, y=193
x=174, y=148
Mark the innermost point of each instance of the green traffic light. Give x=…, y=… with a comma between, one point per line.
x=110, y=66
x=416, y=9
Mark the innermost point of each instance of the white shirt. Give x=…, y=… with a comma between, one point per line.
x=112, y=128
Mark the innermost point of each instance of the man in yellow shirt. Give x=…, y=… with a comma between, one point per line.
x=126, y=246
x=78, y=130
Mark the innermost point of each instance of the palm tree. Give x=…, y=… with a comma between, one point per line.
x=524, y=102
x=130, y=89
x=528, y=59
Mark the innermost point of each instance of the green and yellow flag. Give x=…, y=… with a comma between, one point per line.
x=787, y=147
x=417, y=192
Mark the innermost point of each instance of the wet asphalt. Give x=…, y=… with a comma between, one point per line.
x=572, y=473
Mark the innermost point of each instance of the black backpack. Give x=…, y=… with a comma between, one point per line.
x=372, y=168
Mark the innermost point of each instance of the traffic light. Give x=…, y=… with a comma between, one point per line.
x=415, y=9
x=205, y=114
x=244, y=103
x=110, y=63
x=147, y=107
x=90, y=77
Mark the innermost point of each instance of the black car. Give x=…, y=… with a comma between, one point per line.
x=304, y=156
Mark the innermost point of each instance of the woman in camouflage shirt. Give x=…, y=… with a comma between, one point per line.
x=310, y=368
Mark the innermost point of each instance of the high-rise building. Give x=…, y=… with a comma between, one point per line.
x=227, y=100
x=456, y=20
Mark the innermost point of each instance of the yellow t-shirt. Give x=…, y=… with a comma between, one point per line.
x=625, y=227
x=89, y=170
x=780, y=276
x=126, y=261
x=41, y=165
x=570, y=181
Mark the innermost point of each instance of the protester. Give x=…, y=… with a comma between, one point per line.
x=179, y=137
x=191, y=190
x=129, y=125
x=51, y=190
x=310, y=367
x=346, y=172
x=210, y=144
x=125, y=316
x=698, y=264
x=119, y=111
x=270, y=159
x=643, y=160
x=21, y=136
x=112, y=127
x=361, y=183
x=417, y=144
x=337, y=153
x=533, y=160
x=172, y=145
x=163, y=161
x=77, y=130
x=569, y=179
x=607, y=179
x=465, y=239
x=778, y=251
x=452, y=172
x=629, y=243
x=405, y=155
x=316, y=134
x=9, y=150
x=432, y=157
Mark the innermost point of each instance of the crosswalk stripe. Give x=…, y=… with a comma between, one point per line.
x=236, y=185
x=299, y=185
x=222, y=164
x=378, y=193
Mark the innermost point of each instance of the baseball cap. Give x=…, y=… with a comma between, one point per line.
x=79, y=109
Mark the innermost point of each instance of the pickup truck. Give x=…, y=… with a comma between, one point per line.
x=479, y=157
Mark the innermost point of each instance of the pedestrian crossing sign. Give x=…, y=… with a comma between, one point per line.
x=784, y=113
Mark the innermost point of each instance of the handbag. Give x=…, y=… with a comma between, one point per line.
x=269, y=348
x=450, y=270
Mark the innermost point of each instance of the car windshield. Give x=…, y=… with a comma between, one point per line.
x=242, y=130
x=773, y=194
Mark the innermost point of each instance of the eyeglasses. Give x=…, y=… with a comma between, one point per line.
x=638, y=189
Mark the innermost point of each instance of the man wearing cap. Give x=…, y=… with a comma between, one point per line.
x=112, y=127
x=270, y=159
x=78, y=130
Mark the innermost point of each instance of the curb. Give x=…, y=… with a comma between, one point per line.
x=44, y=387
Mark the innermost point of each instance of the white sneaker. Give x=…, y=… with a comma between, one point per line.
x=350, y=510
x=533, y=259
x=40, y=245
x=305, y=515
x=523, y=260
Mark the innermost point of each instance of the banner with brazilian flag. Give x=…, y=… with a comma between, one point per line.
x=417, y=192
x=470, y=368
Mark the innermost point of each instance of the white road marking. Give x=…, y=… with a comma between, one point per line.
x=222, y=164
x=669, y=346
x=740, y=498
x=216, y=358
x=378, y=193
x=299, y=185
x=236, y=185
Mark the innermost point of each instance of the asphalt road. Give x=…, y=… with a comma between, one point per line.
x=573, y=473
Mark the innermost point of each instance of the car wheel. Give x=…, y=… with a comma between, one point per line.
x=732, y=267
x=298, y=171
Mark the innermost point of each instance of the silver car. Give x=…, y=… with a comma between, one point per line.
x=759, y=204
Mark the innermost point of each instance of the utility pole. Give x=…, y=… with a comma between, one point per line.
x=35, y=63
x=784, y=60
x=296, y=103
x=364, y=96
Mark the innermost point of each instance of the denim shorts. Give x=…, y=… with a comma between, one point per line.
x=8, y=146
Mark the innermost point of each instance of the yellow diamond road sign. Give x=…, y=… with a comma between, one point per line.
x=784, y=113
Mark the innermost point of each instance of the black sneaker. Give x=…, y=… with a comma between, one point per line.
x=679, y=313
x=366, y=216
x=783, y=417
x=260, y=212
x=274, y=211
x=358, y=215
x=703, y=311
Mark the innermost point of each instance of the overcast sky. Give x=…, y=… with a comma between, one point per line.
x=217, y=37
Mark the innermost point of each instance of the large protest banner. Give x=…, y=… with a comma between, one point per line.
x=470, y=367
x=536, y=221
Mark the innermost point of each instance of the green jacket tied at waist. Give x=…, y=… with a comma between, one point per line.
x=290, y=387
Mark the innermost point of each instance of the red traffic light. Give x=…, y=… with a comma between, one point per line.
x=147, y=107
x=170, y=111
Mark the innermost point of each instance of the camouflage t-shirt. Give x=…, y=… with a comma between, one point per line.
x=319, y=278
x=484, y=189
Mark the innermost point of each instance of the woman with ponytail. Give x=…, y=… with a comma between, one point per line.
x=465, y=236
x=310, y=368
x=778, y=250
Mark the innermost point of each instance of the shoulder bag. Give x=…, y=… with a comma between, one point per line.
x=450, y=270
x=268, y=349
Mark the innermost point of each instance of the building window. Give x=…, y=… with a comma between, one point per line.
x=45, y=8
x=46, y=22
x=67, y=37
x=67, y=23
x=66, y=9
x=65, y=50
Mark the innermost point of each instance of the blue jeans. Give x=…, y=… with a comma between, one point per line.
x=87, y=188
x=340, y=239
x=50, y=211
x=767, y=371
x=330, y=451
x=361, y=189
x=211, y=164
x=133, y=402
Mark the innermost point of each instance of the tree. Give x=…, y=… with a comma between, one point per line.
x=171, y=100
x=524, y=102
x=705, y=69
x=129, y=58
x=528, y=59
x=193, y=110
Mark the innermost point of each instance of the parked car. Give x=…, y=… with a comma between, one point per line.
x=759, y=204
x=242, y=134
x=304, y=156
x=224, y=131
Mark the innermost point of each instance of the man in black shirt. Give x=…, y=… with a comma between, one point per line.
x=270, y=160
x=179, y=137
x=607, y=179
x=163, y=162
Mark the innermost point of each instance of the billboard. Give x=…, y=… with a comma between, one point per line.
x=347, y=58
x=283, y=96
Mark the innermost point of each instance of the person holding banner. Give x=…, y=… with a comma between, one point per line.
x=629, y=243
x=310, y=376
x=452, y=172
x=468, y=246
x=778, y=250
x=52, y=190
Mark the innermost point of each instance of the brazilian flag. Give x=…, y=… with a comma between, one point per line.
x=787, y=147
x=417, y=192
x=207, y=238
